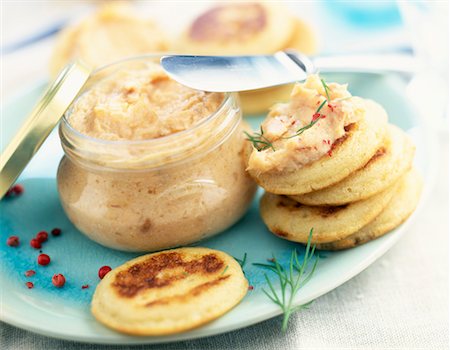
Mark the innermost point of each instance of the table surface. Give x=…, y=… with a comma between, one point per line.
x=400, y=302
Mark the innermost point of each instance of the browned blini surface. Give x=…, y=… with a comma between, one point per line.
x=291, y=220
x=238, y=28
x=211, y=25
x=169, y=291
x=392, y=160
x=401, y=206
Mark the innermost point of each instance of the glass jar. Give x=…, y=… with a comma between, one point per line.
x=146, y=195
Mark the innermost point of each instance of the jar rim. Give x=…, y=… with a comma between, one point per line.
x=169, y=137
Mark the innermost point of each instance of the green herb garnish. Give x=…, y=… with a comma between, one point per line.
x=290, y=280
x=242, y=261
x=316, y=117
x=326, y=88
x=224, y=270
x=259, y=141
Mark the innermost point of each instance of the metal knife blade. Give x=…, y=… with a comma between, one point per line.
x=234, y=73
x=241, y=73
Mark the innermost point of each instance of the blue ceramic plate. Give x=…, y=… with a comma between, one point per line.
x=64, y=313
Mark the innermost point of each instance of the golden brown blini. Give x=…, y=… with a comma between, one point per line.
x=169, y=292
x=392, y=160
x=112, y=33
x=291, y=220
x=238, y=29
x=401, y=206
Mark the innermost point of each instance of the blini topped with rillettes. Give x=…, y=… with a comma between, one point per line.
x=318, y=138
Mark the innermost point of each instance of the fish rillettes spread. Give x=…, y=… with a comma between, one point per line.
x=331, y=106
x=140, y=105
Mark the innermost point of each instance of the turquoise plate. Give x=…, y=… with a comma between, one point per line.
x=64, y=313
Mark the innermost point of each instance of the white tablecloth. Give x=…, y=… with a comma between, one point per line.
x=400, y=302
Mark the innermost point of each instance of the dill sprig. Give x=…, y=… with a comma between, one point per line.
x=259, y=141
x=224, y=270
x=314, y=120
x=290, y=280
x=326, y=88
x=242, y=261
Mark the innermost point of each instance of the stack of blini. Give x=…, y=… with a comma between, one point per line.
x=363, y=188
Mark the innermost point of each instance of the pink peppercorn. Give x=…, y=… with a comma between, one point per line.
x=30, y=273
x=42, y=236
x=29, y=285
x=35, y=243
x=13, y=241
x=43, y=259
x=58, y=280
x=56, y=231
x=17, y=189
x=103, y=271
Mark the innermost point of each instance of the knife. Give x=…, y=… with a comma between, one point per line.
x=242, y=73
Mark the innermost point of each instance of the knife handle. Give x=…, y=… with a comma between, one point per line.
x=359, y=63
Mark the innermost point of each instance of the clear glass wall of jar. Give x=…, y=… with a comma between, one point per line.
x=145, y=195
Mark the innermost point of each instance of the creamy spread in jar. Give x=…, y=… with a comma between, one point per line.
x=151, y=164
x=303, y=130
x=140, y=104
